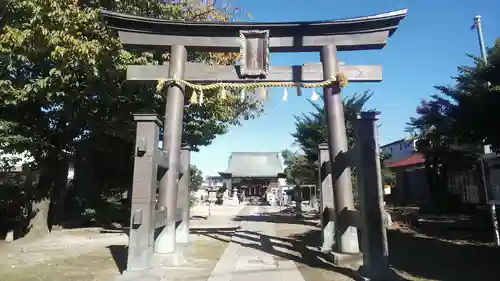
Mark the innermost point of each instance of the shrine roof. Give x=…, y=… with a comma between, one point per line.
x=386, y=21
x=368, y=32
x=414, y=159
x=254, y=164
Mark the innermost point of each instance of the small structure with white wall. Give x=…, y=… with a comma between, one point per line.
x=399, y=149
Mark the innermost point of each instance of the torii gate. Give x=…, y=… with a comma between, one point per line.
x=255, y=41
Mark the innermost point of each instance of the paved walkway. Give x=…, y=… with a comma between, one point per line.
x=229, y=209
x=248, y=257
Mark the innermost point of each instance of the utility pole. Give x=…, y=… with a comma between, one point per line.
x=487, y=148
x=479, y=28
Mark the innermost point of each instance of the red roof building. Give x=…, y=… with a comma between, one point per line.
x=414, y=159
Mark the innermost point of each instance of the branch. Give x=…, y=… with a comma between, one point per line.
x=210, y=9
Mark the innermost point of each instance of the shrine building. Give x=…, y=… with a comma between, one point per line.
x=253, y=174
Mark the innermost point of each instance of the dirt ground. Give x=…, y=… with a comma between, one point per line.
x=93, y=254
x=64, y=255
x=420, y=256
x=304, y=236
x=447, y=255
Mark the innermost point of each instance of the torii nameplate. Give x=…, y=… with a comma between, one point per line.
x=254, y=53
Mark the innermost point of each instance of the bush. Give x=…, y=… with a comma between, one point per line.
x=89, y=216
x=192, y=199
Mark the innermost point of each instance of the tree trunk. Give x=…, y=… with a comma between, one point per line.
x=59, y=187
x=429, y=171
x=47, y=192
x=85, y=183
x=40, y=206
x=298, y=200
x=443, y=180
x=38, y=226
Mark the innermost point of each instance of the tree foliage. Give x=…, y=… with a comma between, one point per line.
x=311, y=132
x=196, y=178
x=454, y=124
x=463, y=114
x=62, y=84
x=298, y=170
x=311, y=127
x=60, y=65
x=475, y=99
x=195, y=182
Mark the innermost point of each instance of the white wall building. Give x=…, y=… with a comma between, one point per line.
x=210, y=183
x=399, y=149
x=14, y=160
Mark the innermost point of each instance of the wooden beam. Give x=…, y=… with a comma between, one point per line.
x=344, y=42
x=202, y=73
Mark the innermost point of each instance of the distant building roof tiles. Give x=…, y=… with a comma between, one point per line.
x=254, y=164
x=414, y=159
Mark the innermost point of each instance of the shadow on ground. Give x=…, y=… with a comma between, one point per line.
x=120, y=255
x=199, y=217
x=120, y=252
x=469, y=227
x=284, y=216
x=438, y=259
x=414, y=253
x=273, y=245
x=276, y=219
x=419, y=254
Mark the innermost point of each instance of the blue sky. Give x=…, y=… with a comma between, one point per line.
x=430, y=43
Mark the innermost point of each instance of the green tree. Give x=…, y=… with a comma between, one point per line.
x=62, y=79
x=475, y=99
x=439, y=143
x=298, y=171
x=454, y=124
x=195, y=182
x=311, y=127
x=311, y=132
x=196, y=178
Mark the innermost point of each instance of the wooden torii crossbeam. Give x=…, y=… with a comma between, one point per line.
x=202, y=73
x=255, y=41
